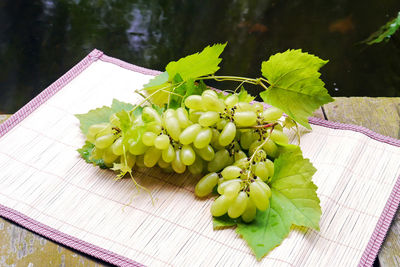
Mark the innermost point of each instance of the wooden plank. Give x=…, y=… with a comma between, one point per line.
x=381, y=115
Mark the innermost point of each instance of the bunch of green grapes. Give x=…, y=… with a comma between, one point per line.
x=233, y=142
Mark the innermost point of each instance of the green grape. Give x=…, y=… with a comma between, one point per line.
x=224, y=183
x=232, y=190
x=150, y=114
x=250, y=212
x=194, y=115
x=197, y=167
x=203, y=138
x=151, y=156
x=187, y=155
x=162, y=164
x=254, y=146
x=140, y=161
x=168, y=113
x=206, y=185
x=99, y=129
x=137, y=148
x=182, y=116
x=209, y=118
x=220, y=206
x=108, y=156
x=272, y=114
x=215, y=139
x=221, y=124
x=279, y=136
x=231, y=172
x=220, y=160
x=247, y=139
x=177, y=163
x=148, y=138
x=239, y=155
x=194, y=102
x=243, y=106
x=211, y=102
x=189, y=134
x=128, y=160
x=104, y=141
x=173, y=128
x=168, y=154
x=245, y=118
x=154, y=127
x=231, y=101
x=259, y=196
x=242, y=163
x=228, y=134
x=238, y=206
x=289, y=123
x=114, y=120
x=270, y=166
x=210, y=92
x=161, y=142
x=118, y=147
x=258, y=107
x=207, y=153
x=97, y=153
x=261, y=170
x=270, y=148
x=265, y=187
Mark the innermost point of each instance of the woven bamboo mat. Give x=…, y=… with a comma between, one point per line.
x=46, y=187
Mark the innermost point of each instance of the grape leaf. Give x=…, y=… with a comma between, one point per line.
x=295, y=86
x=385, y=32
x=199, y=64
x=158, y=80
x=183, y=91
x=244, y=96
x=100, y=115
x=86, y=153
x=294, y=201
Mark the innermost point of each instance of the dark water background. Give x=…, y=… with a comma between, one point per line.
x=41, y=40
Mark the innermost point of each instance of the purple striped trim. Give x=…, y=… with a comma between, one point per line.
x=367, y=258
x=65, y=239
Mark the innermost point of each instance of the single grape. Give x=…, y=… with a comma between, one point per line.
x=187, y=155
x=99, y=129
x=172, y=126
x=239, y=155
x=254, y=146
x=258, y=107
x=238, y=206
x=104, y=141
x=261, y=170
x=194, y=115
x=161, y=142
x=220, y=160
x=148, y=138
x=168, y=154
x=232, y=190
x=224, y=183
x=206, y=184
x=272, y=114
x=245, y=118
x=137, y=148
x=162, y=164
x=270, y=148
x=154, y=127
x=118, y=147
x=140, y=161
x=220, y=206
x=203, y=138
x=231, y=172
x=182, y=116
x=114, y=120
x=211, y=102
x=246, y=139
x=221, y=124
x=242, y=163
x=270, y=166
x=197, y=167
x=265, y=187
x=209, y=118
x=259, y=196
x=250, y=212
x=108, y=156
x=231, y=101
x=228, y=134
x=194, y=102
x=177, y=163
x=207, y=153
x=150, y=114
x=279, y=136
x=189, y=134
x=151, y=156
x=97, y=153
x=243, y=106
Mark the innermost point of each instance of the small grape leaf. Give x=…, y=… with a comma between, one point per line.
x=385, y=32
x=158, y=80
x=196, y=65
x=294, y=201
x=100, y=115
x=86, y=153
x=244, y=96
x=124, y=119
x=295, y=86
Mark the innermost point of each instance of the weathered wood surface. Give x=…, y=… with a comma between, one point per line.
x=20, y=247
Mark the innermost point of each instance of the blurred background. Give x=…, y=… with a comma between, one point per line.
x=41, y=40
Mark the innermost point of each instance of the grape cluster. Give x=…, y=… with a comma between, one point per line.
x=234, y=141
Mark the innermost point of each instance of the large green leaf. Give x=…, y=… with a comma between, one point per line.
x=295, y=86
x=199, y=64
x=293, y=202
x=100, y=115
x=385, y=32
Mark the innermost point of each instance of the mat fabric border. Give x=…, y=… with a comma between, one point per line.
x=367, y=258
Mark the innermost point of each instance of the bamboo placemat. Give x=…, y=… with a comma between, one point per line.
x=46, y=187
